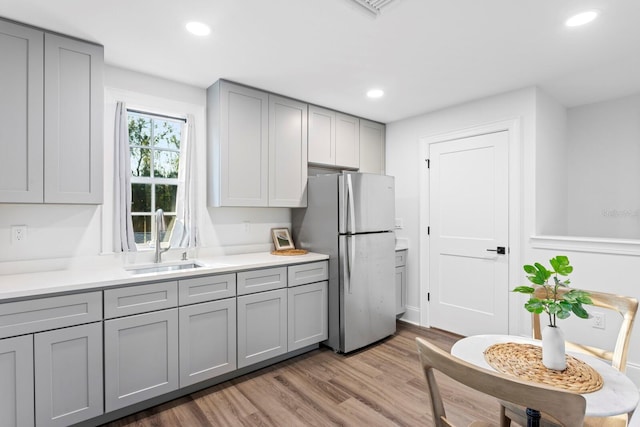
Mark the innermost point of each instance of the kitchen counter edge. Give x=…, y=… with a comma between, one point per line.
x=33, y=285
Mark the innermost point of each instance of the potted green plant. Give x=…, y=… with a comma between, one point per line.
x=557, y=305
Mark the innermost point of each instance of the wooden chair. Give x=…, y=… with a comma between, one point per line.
x=565, y=408
x=627, y=308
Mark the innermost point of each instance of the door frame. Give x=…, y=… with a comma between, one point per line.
x=513, y=128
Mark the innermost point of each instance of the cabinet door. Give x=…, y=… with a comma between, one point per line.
x=68, y=375
x=347, y=141
x=21, y=122
x=207, y=340
x=287, y=152
x=262, y=326
x=242, y=144
x=322, y=136
x=140, y=357
x=73, y=116
x=401, y=290
x=372, y=138
x=16, y=382
x=307, y=317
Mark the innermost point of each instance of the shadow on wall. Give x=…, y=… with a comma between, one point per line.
x=52, y=231
x=226, y=228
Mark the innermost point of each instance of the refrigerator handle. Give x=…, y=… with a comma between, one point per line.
x=351, y=224
x=350, y=248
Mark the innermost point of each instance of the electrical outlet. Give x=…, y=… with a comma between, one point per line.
x=18, y=233
x=598, y=320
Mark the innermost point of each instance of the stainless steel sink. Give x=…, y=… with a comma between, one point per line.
x=163, y=268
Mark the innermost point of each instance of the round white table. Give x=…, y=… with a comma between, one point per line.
x=617, y=396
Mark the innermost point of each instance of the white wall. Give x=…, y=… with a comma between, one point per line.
x=604, y=169
x=551, y=167
x=70, y=231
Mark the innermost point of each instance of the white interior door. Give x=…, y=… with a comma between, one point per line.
x=469, y=219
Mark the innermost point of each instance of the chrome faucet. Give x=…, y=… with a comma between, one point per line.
x=160, y=227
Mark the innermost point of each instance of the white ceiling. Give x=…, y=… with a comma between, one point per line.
x=425, y=54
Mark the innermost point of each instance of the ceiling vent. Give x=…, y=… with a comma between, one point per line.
x=373, y=6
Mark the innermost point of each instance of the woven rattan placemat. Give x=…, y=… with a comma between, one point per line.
x=290, y=252
x=525, y=362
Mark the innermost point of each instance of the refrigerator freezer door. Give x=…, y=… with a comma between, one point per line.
x=366, y=203
x=367, y=289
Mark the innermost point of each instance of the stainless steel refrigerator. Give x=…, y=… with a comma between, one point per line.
x=350, y=217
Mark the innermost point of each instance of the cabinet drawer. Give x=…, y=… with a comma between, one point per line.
x=209, y=288
x=140, y=299
x=401, y=258
x=302, y=274
x=266, y=279
x=23, y=317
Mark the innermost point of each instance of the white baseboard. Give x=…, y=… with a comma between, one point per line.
x=411, y=315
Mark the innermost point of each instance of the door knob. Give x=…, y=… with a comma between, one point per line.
x=501, y=250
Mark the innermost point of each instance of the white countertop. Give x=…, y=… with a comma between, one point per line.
x=402, y=244
x=16, y=286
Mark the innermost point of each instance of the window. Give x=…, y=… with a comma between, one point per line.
x=154, y=143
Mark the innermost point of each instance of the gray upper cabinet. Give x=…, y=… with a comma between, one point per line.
x=322, y=136
x=347, y=141
x=238, y=142
x=21, y=106
x=372, y=141
x=73, y=116
x=334, y=138
x=257, y=148
x=51, y=115
x=287, y=152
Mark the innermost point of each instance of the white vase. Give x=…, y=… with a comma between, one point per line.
x=553, y=353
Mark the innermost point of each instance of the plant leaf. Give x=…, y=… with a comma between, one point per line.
x=530, y=269
x=579, y=311
x=534, y=305
x=524, y=289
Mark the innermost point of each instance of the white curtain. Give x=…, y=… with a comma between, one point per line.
x=184, y=233
x=124, y=240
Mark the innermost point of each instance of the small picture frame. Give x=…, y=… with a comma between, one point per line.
x=282, y=239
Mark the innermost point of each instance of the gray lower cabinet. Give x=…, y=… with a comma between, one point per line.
x=262, y=326
x=207, y=340
x=16, y=382
x=307, y=315
x=68, y=375
x=401, y=282
x=140, y=357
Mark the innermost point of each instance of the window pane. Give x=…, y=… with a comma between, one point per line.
x=142, y=228
x=166, y=134
x=140, y=162
x=170, y=221
x=166, y=197
x=166, y=164
x=140, y=197
x=139, y=129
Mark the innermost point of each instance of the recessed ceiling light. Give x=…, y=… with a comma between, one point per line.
x=581, y=18
x=375, y=93
x=198, y=28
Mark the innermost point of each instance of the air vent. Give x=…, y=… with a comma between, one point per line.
x=373, y=6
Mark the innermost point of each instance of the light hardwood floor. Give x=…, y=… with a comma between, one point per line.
x=381, y=385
